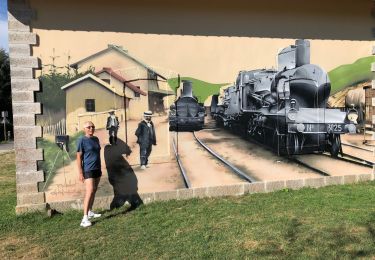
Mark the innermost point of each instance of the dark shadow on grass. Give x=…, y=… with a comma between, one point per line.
x=121, y=176
x=291, y=234
x=53, y=212
x=343, y=239
x=371, y=227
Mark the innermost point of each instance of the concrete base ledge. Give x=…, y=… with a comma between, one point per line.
x=30, y=198
x=29, y=208
x=219, y=191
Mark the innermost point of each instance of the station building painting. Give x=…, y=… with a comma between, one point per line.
x=83, y=100
x=142, y=63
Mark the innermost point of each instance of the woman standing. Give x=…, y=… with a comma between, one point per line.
x=89, y=169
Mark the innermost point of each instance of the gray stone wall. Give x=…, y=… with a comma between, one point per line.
x=22, y=66
x=373, y=87
x=220, y=191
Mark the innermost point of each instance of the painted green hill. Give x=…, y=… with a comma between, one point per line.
x=201, y=89
x=340, y=77
x=349, y=74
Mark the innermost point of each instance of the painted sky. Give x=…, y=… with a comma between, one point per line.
x=3, y=25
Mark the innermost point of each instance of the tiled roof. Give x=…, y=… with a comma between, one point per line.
x=122, y=79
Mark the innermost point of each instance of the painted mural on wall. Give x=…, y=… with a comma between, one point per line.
x=289, y=119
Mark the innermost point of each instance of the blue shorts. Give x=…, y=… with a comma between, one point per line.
x=93, y=174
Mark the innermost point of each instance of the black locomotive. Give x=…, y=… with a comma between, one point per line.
x=285, y=108
x=186, y=114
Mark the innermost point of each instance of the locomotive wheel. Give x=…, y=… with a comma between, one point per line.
x=335, y=146
x=292, y=144
x=250, y=131
x=279, y=143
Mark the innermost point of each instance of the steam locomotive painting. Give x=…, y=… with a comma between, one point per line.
x=285, y=108
x=186, y=113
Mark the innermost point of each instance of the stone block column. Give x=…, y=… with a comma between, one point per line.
x=373, y=87
x=22, y=66
x=373, y=104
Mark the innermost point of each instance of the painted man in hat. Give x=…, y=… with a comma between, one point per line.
x=146, y=138
x=112, y=127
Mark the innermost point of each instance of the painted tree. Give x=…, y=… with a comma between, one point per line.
x=5, y=89
x=51, y=96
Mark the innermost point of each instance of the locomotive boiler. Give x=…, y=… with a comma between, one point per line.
x=285, y=108
x=186, y=113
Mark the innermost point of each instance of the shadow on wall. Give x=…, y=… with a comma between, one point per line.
x=121, y=176
x=319, y=19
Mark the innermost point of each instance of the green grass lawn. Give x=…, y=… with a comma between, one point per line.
x=331, y=222
x=201, y=89
x=349, y=74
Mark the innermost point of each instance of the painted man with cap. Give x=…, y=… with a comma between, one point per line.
x=112, y=126
x=146, y=138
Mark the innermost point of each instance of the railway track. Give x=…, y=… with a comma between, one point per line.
x=357, y=147
x=356, y=160
x=294, y=159
x=321, y=164
x=347, y=158
x=326, y=165
x=190, y=178
x=228, y=164
x=181, y=167
x=359, y=154
x=304, y=164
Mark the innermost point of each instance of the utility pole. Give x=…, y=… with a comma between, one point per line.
x=126, y=118
x=178, y=86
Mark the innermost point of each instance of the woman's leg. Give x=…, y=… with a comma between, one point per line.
x=89, y=193
x=95, y=188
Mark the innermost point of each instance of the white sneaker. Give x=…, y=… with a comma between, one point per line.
x=93, y=215
x=143, y=167
x=147, y=166
x=85, y=223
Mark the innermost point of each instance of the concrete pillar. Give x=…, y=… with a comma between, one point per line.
x=22, y=66
x=373, y=103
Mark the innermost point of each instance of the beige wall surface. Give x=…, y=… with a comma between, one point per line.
x=137, y=106
x=213, y=59
x=208, y=41
x=319, y=19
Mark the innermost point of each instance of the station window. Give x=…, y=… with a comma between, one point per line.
x=90, y=105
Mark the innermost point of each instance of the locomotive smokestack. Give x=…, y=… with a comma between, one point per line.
x=214, y=100
x=303, y=52
x=187, y=89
